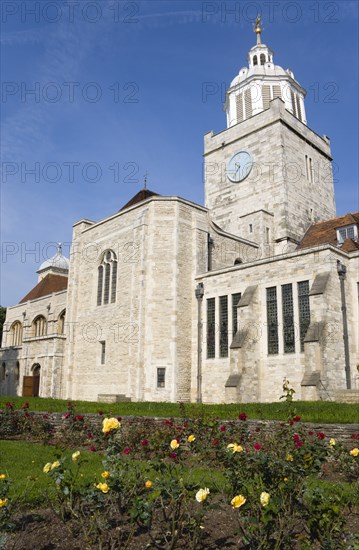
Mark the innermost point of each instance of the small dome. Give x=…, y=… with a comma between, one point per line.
x=58, y=261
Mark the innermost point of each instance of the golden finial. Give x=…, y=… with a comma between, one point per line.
x=258, y=29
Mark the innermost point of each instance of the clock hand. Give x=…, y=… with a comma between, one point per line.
x=237, y=168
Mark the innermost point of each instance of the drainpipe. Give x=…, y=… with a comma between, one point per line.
x=342, y=270
x=199, y=292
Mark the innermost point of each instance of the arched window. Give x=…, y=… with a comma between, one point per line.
x=107, y=278
x=39, y=326
x=255, y=60
x=263, y=59
x=61, y=323
x=16, y=334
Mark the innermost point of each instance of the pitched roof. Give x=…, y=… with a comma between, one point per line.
x=49, y=284
x=325, y=233
x=139, y=197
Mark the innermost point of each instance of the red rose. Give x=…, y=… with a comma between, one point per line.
x=298, y=443
x=127, y=451
x=243, y=417
x=296, y=418
x=80, y=418
x=119, y=418
x=90, y=436
x=310, y=433
x=257, y=446
x=222, y=428
x=92, y=448
x=173, y=455
x=100, y=413
x=215, y=442
x=320, y=435
x=291, y=422
x=144, y=442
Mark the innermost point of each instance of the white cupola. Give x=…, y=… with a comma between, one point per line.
x=255, y=86
x=58, y=265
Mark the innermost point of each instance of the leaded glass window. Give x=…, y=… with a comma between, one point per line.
x=288, y=319
x=211, y=328
x=304, y=310
x=223, y=320
x=107, y=279
x=272, y=320
x=235, y=299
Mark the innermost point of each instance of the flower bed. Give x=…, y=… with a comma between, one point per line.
x=188, y=483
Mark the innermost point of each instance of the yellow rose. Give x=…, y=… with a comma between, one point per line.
x=191, y=438
x=174, y=444
x=47, y=467
x=285, y=479
x=55, y=464
x=202, y=494
x=75, y=455
x=105, y=474
x=2, y=476
x=354, y=452
x=148, y=484
x=332, y=442
x=238, y=501
x=289, y=458
x=110, y=424
x=264, y=498
x=3, y=502
x=103, y=487
x=235, y=448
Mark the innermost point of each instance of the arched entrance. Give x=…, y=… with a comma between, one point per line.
x=31, y=384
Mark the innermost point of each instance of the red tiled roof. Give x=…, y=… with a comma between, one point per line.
x=325, y=233
x=49, y=284
x=139, y=197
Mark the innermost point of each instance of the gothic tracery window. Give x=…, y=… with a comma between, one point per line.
x=61, y=322
x=39, y=326
x=107, y=278
x=16, y=334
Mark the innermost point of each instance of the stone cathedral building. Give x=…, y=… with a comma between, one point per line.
x=167, y=300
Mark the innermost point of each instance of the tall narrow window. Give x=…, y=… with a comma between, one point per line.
x=266, y=96
x=16, y=334
x=311, y=173
x=248, y=102
x=255, y=60
x=39, y=326
x=288, y=319
x=299, y=111
x=107, y=279
x=235, y=299
x=223, y=319
x=161, y=377
x=272, y=320
x=304, y=310
x=103, y=352
x=239, y=107
x=211, y=328
x=262, y=58
x=61, y=323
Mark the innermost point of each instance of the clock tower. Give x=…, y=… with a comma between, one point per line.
x=268, y=176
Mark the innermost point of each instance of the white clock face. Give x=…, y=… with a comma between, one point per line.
x=239, y=166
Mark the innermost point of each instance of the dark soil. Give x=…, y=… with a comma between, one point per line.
x=42, y=529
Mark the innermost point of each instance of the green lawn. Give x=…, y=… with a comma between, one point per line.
x=310, y=411
x=23, y=463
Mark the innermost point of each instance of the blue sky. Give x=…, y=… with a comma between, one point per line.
x=119, y=92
